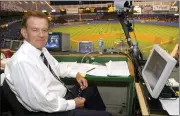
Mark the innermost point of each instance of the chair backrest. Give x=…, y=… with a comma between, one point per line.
x=17, y=107
x=19, y=110
x=5, y=106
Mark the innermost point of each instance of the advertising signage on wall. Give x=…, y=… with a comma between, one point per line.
x=161, y=8
x=93, y=10
x=87, y=10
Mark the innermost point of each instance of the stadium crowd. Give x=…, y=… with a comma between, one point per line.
x=21, y=6
x=157, y=17
x=11, y=13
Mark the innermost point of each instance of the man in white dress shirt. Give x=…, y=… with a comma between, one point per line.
x=34, y=84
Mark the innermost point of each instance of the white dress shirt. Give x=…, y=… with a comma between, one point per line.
x=32, y=82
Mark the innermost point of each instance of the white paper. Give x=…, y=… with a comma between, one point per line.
x=118, y=68
x=171, y=106
x=81, y=67
x=99, y=71
x=2, y=78
x=67, y=64
x=172, y=82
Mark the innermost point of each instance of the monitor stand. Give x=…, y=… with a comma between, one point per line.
x=153, y=105
x=167, y=92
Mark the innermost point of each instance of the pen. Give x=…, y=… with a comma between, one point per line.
x=90, y=70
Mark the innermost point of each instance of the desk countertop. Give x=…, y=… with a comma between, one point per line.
x=141, y=99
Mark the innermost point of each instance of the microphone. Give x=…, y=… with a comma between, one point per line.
x=135, y=49
x=129, y=41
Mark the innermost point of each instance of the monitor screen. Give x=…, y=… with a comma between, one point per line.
x=7, y=44
x=157, y=70
x=53, y=41
x=85, y=46
x=15, y=44
x=21, y=42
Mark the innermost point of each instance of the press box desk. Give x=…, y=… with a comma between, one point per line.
x=109, y=81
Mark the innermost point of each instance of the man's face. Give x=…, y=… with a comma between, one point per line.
x=36, y=32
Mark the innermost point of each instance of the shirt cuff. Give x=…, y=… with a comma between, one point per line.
x=71, y=104
x=72, y=73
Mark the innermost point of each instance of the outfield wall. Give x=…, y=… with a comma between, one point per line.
x=140, y=22
x=176, y=24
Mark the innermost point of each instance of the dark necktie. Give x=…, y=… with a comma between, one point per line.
x=49, y=67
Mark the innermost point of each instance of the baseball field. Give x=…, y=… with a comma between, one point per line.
x=145, y=34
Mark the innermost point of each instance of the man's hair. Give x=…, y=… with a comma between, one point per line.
x=29, y=14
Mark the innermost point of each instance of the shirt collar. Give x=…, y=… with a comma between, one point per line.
x=30, y=49
x=44, y=50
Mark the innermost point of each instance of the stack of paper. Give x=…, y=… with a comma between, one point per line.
x=171, y=106
x=118, y=68
x=67, y=64
x=112, y=68
x=172, y=82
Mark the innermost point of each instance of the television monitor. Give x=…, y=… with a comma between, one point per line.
x=58, y=42
x=7, y=43
x=53, y=41
x=85, y=46
x=15, y=44
x=21, y=42
x=157, y=70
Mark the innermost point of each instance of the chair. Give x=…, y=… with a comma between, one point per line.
x=19, y=109
x=5, y=106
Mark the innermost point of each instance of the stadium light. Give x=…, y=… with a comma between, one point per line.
x=53, y=10
x=50, y=18
x=44, y=10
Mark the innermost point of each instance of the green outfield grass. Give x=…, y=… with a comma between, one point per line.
x=146, y=35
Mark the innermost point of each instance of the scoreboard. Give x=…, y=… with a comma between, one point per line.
x=95, y=10
x=63, y=11
x=87, y=10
